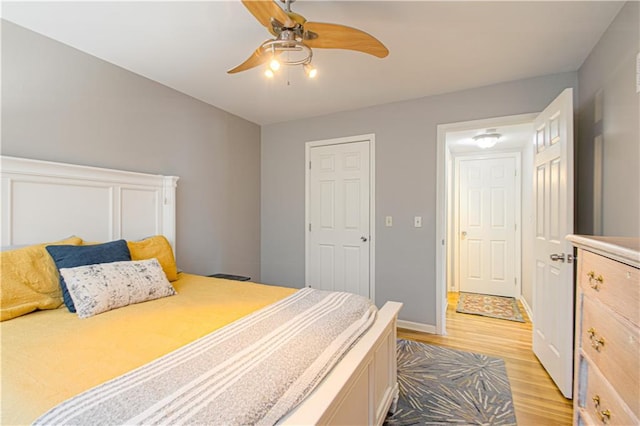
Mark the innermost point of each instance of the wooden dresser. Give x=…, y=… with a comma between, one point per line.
x=607, y=347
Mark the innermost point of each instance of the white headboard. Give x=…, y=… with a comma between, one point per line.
x=44, y=201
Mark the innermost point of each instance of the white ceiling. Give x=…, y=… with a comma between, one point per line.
x=436, y=47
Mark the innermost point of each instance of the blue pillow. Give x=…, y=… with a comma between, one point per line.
x=72, y=256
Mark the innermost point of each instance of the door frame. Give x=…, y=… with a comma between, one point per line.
x=455, y=267
x=444, y=182
x=371, y=139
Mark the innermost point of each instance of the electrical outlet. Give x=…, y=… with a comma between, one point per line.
x=388, y=221
x=417, y=221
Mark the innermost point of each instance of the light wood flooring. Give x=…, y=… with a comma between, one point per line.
x=536, y=399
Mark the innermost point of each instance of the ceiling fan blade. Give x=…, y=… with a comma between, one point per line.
x=257, y=58
x=264, y=10
x=335, y=36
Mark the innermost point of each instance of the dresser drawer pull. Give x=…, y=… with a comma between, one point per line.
x=597, y=343
x=603, y=415
x=595, y=282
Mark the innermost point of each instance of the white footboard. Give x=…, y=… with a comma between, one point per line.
x=362, y=387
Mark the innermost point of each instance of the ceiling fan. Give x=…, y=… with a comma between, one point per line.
x=294, y=37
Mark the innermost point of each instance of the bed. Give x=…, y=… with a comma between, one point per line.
x=50, y=356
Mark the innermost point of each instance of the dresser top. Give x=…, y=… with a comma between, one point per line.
x=623, y=249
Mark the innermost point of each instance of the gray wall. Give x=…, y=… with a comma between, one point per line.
x=611, y=70
x=405, y=182
x=60, y=104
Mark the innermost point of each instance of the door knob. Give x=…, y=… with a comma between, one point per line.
x=463, y=234
x=557, y=257
x=364, y=239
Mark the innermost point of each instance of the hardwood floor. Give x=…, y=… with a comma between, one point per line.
x=536, y=399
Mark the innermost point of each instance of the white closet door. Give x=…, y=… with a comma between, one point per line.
x=339, y=218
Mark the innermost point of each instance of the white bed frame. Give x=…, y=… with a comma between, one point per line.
x=45, y=201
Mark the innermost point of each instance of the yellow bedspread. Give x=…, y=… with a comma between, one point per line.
x=50, y=356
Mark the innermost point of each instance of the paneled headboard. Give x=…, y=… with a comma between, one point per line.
x=45, y=201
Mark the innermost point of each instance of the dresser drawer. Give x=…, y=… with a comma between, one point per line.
x=601, y=403
x=615, y=284
x=613, y=345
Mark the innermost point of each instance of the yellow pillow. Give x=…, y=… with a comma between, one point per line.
x=159, y=248
x=29, y=280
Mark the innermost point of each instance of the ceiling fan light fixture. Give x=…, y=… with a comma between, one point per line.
x=310, y=70
x=486, y=140
x=274, y=64
x=268, y=73
x=298, y=53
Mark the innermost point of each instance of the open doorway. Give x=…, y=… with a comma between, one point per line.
x=547, y=217
x=458, y=152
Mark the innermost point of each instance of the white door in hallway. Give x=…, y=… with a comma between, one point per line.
x=553, y=209
x=487, y=225
x=339, y=209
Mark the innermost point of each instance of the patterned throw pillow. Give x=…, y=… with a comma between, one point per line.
x=106, y=286
x=73, y=256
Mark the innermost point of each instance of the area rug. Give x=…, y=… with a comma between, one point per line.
x=446, y=386
x=489, y=306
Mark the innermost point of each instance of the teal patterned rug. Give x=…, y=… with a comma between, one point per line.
x=446, y=386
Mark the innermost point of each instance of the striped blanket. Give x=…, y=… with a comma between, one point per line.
x=253, y=371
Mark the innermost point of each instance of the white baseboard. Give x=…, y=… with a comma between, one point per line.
x=526, y=308
x=416, y=326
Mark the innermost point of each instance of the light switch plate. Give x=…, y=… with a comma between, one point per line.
x=417, y=221
x=388, y=221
